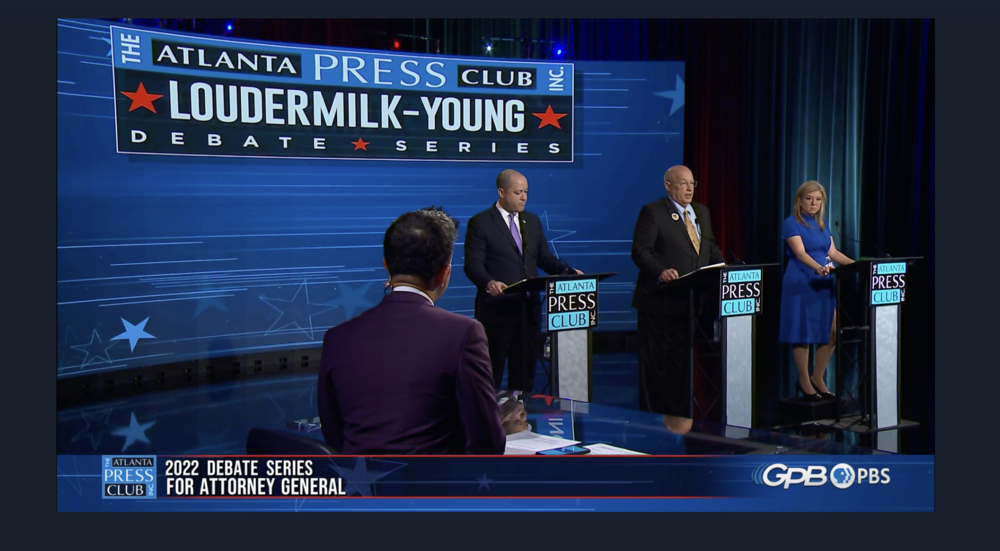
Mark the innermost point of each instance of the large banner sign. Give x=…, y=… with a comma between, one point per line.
x=185, y=95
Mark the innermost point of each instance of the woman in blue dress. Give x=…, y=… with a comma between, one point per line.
x=808, y=302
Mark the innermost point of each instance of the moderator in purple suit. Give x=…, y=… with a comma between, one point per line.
x=407, y=377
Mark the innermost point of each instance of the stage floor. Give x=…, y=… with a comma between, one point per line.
x=215, y=419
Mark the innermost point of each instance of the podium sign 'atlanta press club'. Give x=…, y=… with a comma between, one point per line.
x=741, y=292
x=572, y=304
x=888, y=283
x=183, y=95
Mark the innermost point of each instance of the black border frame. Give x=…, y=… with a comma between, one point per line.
x=964, y=95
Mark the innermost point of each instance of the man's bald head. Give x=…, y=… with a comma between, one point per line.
x=507, y=177
x=512, y=187
x=680, y=183
x=676, y=173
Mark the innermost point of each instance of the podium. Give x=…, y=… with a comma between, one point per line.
x=738, y=291
x=870, y=295
x=570, y=314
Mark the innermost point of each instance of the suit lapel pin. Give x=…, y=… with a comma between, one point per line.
x=675, y=216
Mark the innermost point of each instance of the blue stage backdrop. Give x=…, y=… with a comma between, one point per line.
x=175, y=243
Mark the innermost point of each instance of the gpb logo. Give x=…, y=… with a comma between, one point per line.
x=779, y=474
x=842, y=475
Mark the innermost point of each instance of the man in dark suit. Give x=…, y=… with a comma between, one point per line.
x=673, y=237
x=406, y=377
x=504, y=245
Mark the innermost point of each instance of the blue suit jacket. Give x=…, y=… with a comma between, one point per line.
x=406, y=377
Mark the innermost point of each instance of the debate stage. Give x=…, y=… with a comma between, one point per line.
x=215, y=418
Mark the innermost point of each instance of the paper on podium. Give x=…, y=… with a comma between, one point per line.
x=528, y=443
x=604, y=449
x=709, y=267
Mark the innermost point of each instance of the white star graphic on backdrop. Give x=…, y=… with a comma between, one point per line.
x=95, y=351
x=133, y=432
x=133, y=333
x=64, y=345
x=94, y=426
x=677, y=95
x=298, y=311
x=549, y=231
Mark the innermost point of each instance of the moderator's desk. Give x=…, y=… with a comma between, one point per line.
x=648, y=432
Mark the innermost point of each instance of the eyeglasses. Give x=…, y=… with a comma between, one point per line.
x=692, y=184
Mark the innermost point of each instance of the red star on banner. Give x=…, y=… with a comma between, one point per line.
x=360, y=144
x=549, y=117
x=548, y=399
x=142, y=98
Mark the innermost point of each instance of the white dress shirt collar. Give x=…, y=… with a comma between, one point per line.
x=681, y=210
x=408, y=289
x=506, y=215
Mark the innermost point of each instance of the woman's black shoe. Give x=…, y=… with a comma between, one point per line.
x=817, y=397
x=825, y=395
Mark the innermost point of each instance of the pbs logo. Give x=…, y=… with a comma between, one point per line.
x=841, y=476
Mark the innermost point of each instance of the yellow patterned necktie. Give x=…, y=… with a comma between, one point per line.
x=692, y=233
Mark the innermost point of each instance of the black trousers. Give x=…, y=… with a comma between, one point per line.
x=517, y=346
x=664, y=369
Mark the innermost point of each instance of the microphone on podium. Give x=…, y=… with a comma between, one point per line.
x=882, y=253
x=736, y=259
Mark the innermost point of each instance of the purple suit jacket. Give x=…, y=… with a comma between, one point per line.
x=406, y=377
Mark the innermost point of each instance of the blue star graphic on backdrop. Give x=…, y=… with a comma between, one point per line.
x=677, y=95
x=484, y=482
x=298, y=311
x=110, y=45
x=95, y=350
x=95, y=426
x=360, y=478
x=203, y=304
x=133, y=432
x=133, y=333
x=352, y=300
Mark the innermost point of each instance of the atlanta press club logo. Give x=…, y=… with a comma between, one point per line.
x=842, y=476
x=129, y=476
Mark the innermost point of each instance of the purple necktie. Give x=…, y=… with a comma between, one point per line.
x=515, y=234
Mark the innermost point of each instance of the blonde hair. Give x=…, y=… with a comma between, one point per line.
x=806, y=189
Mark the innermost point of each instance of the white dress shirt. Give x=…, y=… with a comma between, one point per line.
x=408, y=289
x=690, y=211
x=506, y=219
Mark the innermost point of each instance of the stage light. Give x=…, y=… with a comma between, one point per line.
x=489, y=48
x=229, y=27
x=559, y=51
x=395, y=44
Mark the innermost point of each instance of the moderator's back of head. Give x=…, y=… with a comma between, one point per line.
x=281, y=442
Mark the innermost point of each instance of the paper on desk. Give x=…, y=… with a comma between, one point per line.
x=527, y=442
x=604, y=449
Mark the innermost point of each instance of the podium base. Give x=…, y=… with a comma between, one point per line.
x=801, y=410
